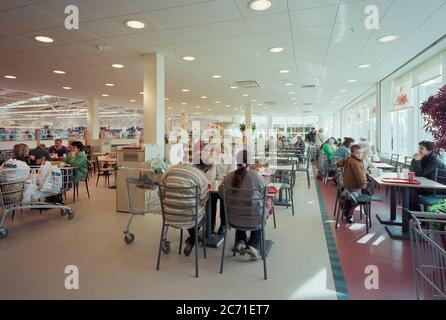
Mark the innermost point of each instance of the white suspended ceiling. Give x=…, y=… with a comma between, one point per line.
x=324, y=41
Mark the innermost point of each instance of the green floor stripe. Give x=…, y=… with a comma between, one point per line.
x=338, y=274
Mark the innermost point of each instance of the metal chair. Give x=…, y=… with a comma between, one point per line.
x=407, y=161
x=104, y=172
x=76, y=189
x=394, y=158
x=239, y=203
x=175, y=201
x=287, y=178
x=306, y=168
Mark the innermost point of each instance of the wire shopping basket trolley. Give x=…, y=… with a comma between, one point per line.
x=142, y=188
x=428, y=243
x=30, y=188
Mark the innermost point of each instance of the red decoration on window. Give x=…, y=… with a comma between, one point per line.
x=402, y=99
x=434, y=114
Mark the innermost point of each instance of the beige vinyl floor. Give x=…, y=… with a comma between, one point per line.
x=40, y=246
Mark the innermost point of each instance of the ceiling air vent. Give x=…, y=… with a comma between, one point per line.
x=248, y=84
x=308, y=104
x=309, y=86
x=270, y=103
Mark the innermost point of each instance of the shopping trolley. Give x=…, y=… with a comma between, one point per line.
x=142, y=188
x=18, y=192
x=428, y=242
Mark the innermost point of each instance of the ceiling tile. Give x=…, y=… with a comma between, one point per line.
x=108, y=8
x=268, y=23
x=228, y=28
x=173, y=18
x=214, y=11
x=190, y=34
x=313, y=17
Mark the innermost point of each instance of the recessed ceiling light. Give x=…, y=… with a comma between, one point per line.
x=204, y=97
x=197, y=107
x=10, y=77
x=166, y=99
x=387, y=38
x=364, y=66
x=217, y=101
x=293, y=99
x=59, y=72
x=134, y=24
x=295, y=103
x=132, y=100
x=260, y=104
x=216, y=76
x=253, y=100
x=170, y=108
x=342, y=90
x=188, y=58
x=337, y=97
x=183, y=103
x=260, y=5
x=351, y=81
x=233, y=87
x=245, y=95
x=208, y=109
x=66, y=88
x=141, y=92
x=291, y=92
x=110, y=84
x=284, y=71
x=276, y=49
x=228, y=106
x=105, y=95
x=44, y=39
x=288, y=84
x=185, y=90
x=117, y=66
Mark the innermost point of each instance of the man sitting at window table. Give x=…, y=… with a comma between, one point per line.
x=58, y=148
x=424, y=164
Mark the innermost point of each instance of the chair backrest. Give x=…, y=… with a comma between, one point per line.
x=407, y=161
x=179, y=205
x=339, y=178
x=394, y=158
x=286, y=176
x=245, y=207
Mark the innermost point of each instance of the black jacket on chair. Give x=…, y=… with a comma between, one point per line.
x=427, y=166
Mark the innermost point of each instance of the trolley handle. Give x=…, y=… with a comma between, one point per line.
x=427, y=217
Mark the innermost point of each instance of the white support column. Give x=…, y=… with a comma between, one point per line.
x=92, y=119
x=248, y=116
x=154, y=99
x=185, y=121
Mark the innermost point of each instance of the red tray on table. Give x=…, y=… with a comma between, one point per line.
x=401, y=180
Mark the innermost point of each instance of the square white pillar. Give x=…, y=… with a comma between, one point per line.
x=154, y=99
x=93, y=107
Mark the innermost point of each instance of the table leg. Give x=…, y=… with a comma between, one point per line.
x=212, y=240
x=401, y=232
x=393, y=221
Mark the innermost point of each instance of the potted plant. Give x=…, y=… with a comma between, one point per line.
x=434, y=115
x=242, y=127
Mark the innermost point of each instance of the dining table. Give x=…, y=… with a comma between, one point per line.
x=215, y=240
x=108, y=161
x=399, y=228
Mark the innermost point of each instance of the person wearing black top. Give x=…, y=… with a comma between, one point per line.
x=424, y=164
x=310, y=137
x=37, y=155
x=58, y=148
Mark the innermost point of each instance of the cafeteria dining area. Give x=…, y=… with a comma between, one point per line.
x=223, y=149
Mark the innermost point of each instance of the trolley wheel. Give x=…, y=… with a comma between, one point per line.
x=165, y=247
x=70, y=214
x=63, y=212
x=129, y=238
x=3, y=233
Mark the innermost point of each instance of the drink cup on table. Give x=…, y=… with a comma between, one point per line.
x=411, y=175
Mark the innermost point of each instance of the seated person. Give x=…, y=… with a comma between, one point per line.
x=14, y=169
x=39, y=155
x=20, y=154
x=245, y=178
x=185, y=175
x=355, y=179
x=77, y=159
x=424, y=164
x=58, y=149
x=344, y=149
x=367, y=156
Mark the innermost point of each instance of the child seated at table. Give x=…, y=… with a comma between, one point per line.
x=355, y=180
